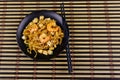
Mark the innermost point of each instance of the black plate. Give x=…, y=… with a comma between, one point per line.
x=46, y=14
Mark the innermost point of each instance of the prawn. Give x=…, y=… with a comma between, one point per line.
x=51, y=27
x=34, y=27
x=44, y=38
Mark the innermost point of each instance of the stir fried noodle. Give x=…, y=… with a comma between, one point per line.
x=42, y=35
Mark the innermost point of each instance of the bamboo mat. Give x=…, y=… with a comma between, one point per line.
x=94, y=42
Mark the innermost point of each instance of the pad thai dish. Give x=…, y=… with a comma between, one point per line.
x=42, y=35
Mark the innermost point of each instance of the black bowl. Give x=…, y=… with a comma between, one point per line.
x=46, y=14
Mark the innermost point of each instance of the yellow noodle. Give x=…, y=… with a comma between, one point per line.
x=38, y=34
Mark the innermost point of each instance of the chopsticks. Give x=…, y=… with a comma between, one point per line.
x=67, y=47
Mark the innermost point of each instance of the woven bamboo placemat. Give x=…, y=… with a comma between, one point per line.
x=94, y=41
